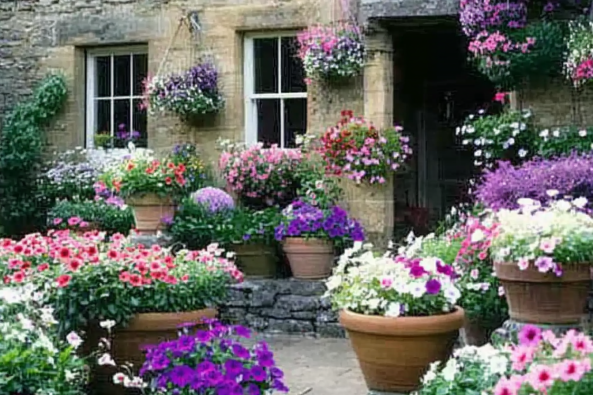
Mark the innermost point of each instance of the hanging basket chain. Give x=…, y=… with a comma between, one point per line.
x=182, y=22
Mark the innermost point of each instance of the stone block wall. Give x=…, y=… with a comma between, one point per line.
x=282, y=306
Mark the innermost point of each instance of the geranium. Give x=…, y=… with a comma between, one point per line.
x=357, y=149
x=260, y=176
x=546, y=237
x=197, y=172
x=213, y=360
x=578, y=66
x=332, y=51
x=90, y=280
x=142, y=174
x=392, y=287
x=194, y=93
x=34, y=359
x=541, y=180
x=301, y=219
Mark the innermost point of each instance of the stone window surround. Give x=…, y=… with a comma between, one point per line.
x=90, y=110
x=250, y=96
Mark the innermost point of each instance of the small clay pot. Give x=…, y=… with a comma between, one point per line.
x=394, y=353
x=544, y=298
x=257, y=260
x=309, y=259
x=149, y=211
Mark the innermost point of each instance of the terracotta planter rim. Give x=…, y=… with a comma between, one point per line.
x=403, y=326
x=154, y=322
x=511, y=271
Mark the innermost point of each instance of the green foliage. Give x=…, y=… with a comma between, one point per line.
x=106, y=217
x=21, y=147
x=314, y=186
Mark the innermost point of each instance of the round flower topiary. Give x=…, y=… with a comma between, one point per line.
x=213, y=199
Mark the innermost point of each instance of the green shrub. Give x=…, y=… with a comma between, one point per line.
x=21, y=148
x=107, y=217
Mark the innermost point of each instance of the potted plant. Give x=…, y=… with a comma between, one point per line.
x=149, y=186
x=332, y=52
x=190, y=95
x=542, y=258
x=250, y=234
x=310, y=236
x=197, y=172
x=355, y=148
x=85, y=215
x=212, y=360
x=400, y=314
x=260, y=177
x=145, y=292
x=541, y=363
x=34, y=359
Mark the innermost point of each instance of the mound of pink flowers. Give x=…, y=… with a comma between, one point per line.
x=546, y=364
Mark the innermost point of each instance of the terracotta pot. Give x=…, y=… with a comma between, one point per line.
x=309, y=259
x=257, y=260
x=127, y=344
x=394, y=353
x=149, y=211
x=544, y=298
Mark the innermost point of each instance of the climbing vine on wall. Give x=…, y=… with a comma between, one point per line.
x=21, y=148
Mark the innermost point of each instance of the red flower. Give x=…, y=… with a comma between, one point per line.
x=157, y=274
x=124, y=277
x=18, y=277
x=43, y=267
x=150, y=170
x=6, y=280
x=25, y=265
x=92, y=250
x=64, y=253
x=130, y=166
x=112, y=254
x=169, y=279
x=135, y=280
x=63, y=280
x=185, y=278
x=180, y=169
x=18, y=249
x=74, y=265
x=168, y=181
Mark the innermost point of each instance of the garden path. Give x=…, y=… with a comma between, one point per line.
x=317, y=366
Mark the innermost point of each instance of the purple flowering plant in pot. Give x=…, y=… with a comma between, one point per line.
x=210, y=360
x=310, y=236
x=192, y=94
x=332, y=52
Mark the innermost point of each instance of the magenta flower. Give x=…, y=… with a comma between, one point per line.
x=433, y=286
x=530, y=335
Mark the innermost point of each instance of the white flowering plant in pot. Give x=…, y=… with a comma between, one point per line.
x=392, y=286
x=544, y=237
x=33, y=359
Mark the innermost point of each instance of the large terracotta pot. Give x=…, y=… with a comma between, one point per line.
x=544, y=298
x=257, y=260
x=394, y=353
x=309, y=259
x=149, y=211
x=127, y=344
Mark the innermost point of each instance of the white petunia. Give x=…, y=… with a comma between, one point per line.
x=105, y=360
x=450, y=370
x=73, y=339
x=580, y=202
x=393, y=310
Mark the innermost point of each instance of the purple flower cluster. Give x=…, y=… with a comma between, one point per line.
x=124, y=135
x=212, y=361
x=332, y=51
x=193, y=93
x=479, y=15
x=213, y=199
x=305, y=220
x=566, y=176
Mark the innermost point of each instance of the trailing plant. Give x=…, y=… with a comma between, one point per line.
x=539, y=179
x=332, y=52
x=191, y=94
x=578, y=66
x=21, y=146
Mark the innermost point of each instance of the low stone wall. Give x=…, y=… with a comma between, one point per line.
x=282, y=306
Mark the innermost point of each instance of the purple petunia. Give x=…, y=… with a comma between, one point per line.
x=433, y=286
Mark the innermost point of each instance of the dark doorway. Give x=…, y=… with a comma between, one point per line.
x=435, y=90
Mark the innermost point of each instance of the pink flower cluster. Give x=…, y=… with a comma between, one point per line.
x=492, y=46
x=545, y=364
x=260, y=173
x=583, y=71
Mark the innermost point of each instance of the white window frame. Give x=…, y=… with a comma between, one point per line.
x=249, y=86
x=91, y=56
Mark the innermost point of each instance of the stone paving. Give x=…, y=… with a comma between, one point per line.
x=317, y=366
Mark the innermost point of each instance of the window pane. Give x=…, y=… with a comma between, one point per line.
x=102, y=116
x=140, y=65
x=121, y=75
x=122, y=122
x=293, y=73
x=139, y=123
x=265, y=56
x=268, y=122
x=103, y=76
x=295, y=120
